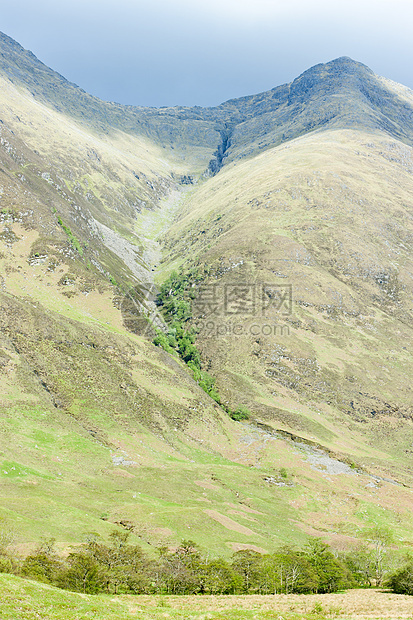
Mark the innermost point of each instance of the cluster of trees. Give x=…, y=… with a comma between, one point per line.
x=121, y=567
x=175, y=297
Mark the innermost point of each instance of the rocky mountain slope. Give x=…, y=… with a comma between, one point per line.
x=295, y=209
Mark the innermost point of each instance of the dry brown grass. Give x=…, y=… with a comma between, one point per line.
x=350, y=605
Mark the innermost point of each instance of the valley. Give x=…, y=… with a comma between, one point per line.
x=298, y=204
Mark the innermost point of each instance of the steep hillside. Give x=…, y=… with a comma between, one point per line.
x=325, y=219
x=295, y=208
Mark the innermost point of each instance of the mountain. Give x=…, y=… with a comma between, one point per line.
x=291, y=211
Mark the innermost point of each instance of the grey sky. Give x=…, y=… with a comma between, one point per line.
x=203, y=52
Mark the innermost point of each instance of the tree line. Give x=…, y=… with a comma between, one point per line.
x=118, y=567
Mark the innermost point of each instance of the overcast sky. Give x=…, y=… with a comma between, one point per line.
x=203, y=52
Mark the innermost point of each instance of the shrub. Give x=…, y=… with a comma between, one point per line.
x=401, y=582
x=73, y=240
x=162, y=340
x=42, y=566
x=175, y=298
x=240, y=413
x=7, y=564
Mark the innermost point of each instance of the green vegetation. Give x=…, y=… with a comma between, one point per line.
x=120, y=567
x=23, y=599
x=75, y=242
x=175, y=300
x=80, y=393
x=207, y=383
x=401, y=581
x=175, y=297
x=240, y=413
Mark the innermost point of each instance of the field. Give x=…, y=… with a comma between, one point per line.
x=27, y=600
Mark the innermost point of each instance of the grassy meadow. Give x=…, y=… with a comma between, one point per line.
x=28, y=600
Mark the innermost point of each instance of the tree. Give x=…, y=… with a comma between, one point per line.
x=332, y=574
x=267, y=575
x=380, y=538
x=360, y=563
x=294, y=572
x=83, y=574
x=247, y=564
x=218, y=577
x=125, y=567
x=179, y=572
x=43, y=564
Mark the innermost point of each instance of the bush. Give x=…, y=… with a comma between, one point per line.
x=162, y=340
x=240, y=413
x=401, y=582
x=7, y=564
x=175, y=298
x=333, y=575
x=218, y=577
x=42, y=566
x=75, y=242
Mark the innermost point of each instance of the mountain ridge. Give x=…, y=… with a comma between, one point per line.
x=203, y=129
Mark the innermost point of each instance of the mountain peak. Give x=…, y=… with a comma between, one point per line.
x=334, y=70
x=346, y=61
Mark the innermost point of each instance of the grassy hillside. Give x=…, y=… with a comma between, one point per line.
x=182, y=132
x=101, y=429
x=329, y=216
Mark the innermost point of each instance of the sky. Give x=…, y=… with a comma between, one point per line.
x=204, y=52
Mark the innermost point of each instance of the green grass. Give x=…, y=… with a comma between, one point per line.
x=28, y=600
